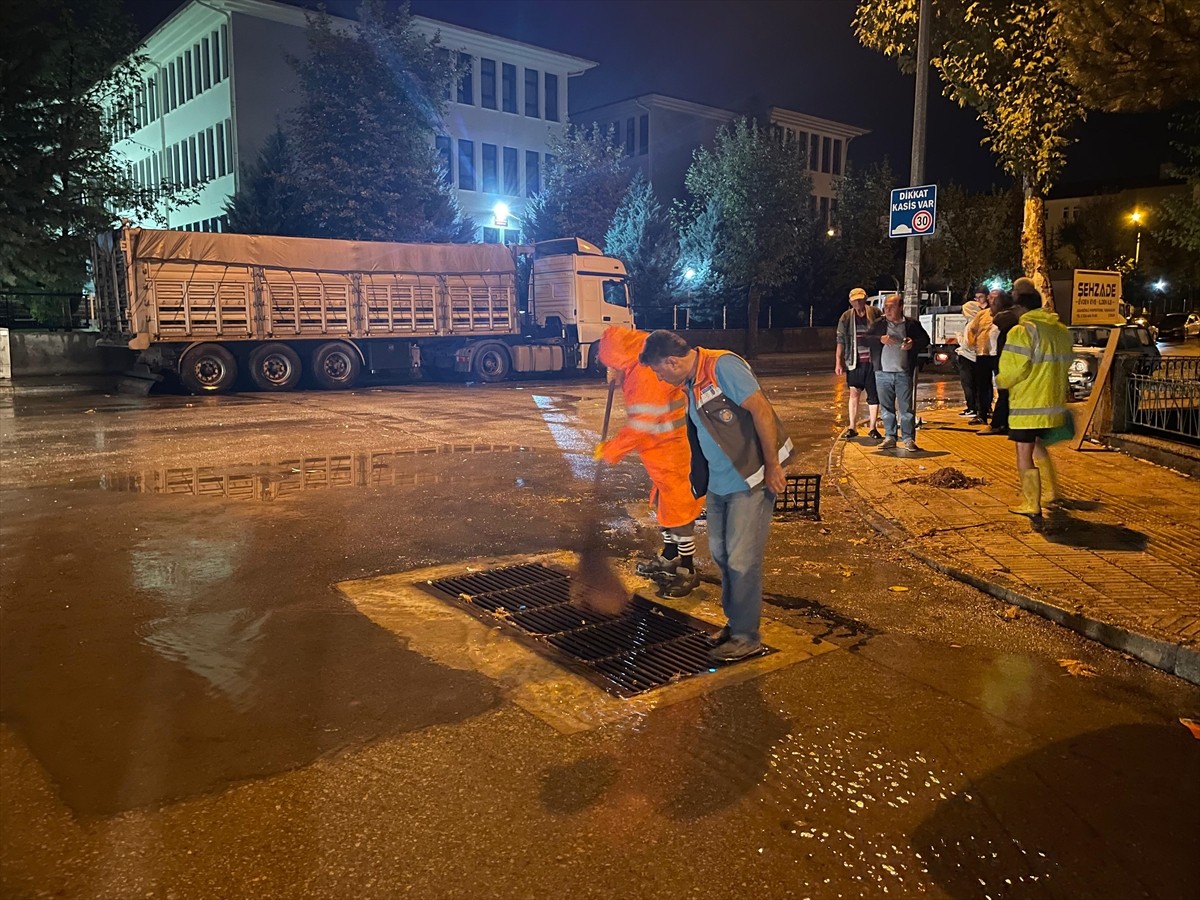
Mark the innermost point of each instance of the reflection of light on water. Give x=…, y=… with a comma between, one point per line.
x=578, y=442
x=216, y=645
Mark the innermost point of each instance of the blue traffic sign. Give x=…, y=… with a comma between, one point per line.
x=913, y=211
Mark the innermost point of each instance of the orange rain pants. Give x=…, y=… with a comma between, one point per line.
x=655, y=428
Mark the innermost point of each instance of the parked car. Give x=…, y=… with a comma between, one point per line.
x=1090, y=341
x=1178, y=326
x=1145, y=323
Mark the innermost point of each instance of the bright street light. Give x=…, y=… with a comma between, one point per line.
x=500, y=215
x=1160, y=285
x=689, y=273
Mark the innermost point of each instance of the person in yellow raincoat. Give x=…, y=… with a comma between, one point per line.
x=655, y=428
x=1033, y=369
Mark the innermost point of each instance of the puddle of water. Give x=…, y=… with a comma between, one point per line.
x=289, y=477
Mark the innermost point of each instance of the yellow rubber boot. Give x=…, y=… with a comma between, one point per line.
x=1031, y=494
x=1049, y=478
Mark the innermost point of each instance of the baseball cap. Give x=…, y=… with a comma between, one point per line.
x=858, y=294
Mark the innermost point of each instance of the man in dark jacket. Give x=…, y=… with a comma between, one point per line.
x=896, y=344
x=1005, y=318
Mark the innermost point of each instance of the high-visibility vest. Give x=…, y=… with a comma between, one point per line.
x=1033, y=368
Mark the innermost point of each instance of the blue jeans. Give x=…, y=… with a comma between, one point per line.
x=895, y=390
x=737, y=538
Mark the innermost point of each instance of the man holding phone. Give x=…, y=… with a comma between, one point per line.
x=896, y=344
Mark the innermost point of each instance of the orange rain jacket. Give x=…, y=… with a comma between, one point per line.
x=655, y=428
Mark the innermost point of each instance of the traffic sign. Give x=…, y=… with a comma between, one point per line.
x=913, y=211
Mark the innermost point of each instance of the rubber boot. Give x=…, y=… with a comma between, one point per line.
x=1049, y=477
x=1031, y=494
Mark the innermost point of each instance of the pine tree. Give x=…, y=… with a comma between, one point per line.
x=365, y=168
x=267, y=201
x=698, y=282
x=641, y=236
x=581, y=189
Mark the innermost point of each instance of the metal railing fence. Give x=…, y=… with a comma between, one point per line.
x=1163, y=396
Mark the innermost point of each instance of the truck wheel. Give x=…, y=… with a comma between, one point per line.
x=208, y=369
x=491, y=363
x=274, y=367
x=335, y=365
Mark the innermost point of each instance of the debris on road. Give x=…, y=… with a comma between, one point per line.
x=947, y=477
x=1078, y=668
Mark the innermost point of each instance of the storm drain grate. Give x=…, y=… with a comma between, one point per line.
x=801, y=495
x=644, y=647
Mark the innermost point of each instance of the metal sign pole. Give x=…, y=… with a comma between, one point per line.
x=912, y=255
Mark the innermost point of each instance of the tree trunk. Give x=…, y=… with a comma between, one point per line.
x=752, y=304
x=1033, y=245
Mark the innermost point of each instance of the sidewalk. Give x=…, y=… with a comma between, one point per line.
x=1119, y=564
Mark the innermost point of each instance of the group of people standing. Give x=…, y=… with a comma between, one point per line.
x=988, y=320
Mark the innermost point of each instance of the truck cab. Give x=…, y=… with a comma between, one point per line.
x=578, y=292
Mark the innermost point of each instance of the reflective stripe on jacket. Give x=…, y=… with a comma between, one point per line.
x=731, y=426
x=1033, y=368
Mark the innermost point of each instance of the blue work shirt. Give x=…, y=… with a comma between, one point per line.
x=737, y=382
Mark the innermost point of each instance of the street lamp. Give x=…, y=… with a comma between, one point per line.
x=1160, y=285
x=1136, y=218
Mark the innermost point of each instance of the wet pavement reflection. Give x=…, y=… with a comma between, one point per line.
x=190, y=708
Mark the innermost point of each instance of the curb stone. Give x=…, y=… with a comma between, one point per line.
x=1174, y=659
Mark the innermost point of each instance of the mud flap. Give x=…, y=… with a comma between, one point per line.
x=137, y=380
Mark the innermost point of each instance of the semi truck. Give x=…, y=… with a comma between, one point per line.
x=279, y=311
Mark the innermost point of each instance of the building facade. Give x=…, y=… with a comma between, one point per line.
x=218, y=83
x=661, y=133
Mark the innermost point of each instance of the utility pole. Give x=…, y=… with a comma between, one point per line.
x=916, y=171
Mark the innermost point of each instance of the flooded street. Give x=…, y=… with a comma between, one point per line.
x=212, y=685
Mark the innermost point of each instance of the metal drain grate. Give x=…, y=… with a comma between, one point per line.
x=801, y=495
x=644, y=647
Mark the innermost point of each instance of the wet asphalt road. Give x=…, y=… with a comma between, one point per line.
x=190, y=708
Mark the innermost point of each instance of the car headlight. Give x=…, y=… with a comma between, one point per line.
x=1079, y=367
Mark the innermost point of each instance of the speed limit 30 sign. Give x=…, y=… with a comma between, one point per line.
x=913, y=211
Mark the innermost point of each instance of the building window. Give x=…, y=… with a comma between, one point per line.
x=491, y=235
x=826, y=147
x=491, y=176
x=443, y=144
x=187, y=75
x=551, y=97
x=196, y=69
x=814, y=151
x=466, y=165
x=630, y=137
x=512, y=174
x=508, y=84
x=202, y=160
x=533, y=107
x=229, y=143
x=221, y=162
x=212, y=153
x=206, y=60
x=192, y=167
x=466, y=81
x=224, y=51
x=214, y=38
x=837, y=157
x=533, y=174
x=487, y=83
x=644, y=134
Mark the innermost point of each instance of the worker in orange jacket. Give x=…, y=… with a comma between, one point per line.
x=655, y=428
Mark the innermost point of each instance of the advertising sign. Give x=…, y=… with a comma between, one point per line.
x=1096, y=298
x=913, y=211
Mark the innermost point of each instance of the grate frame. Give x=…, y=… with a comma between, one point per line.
x=801, y=496
x=647, y=646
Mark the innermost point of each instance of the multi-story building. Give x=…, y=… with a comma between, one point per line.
x=661, y=133
x=218, y=82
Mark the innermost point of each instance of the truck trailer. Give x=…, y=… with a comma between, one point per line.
x=278, y=310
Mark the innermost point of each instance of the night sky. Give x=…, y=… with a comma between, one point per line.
x=797, y=54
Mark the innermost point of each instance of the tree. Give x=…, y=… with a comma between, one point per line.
x=697, y=280
x=267, y=201
x=583, y=184
x=862, y=250
x=760, y=188
x=1130, y=56
x=365, y=169
x=641, y=236
x=1181, y=214
x=977, y=238
x=68, y=73
x=1003, y=58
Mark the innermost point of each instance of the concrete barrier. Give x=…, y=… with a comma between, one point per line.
x=41, y=353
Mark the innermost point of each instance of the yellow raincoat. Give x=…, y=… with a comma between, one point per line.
x=1033, y=368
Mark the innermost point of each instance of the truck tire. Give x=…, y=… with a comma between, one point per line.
x=274, y=367
x=491, y=363
x=335, y=366
x=208, y=369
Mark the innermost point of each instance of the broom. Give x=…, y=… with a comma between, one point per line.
x=594, y=584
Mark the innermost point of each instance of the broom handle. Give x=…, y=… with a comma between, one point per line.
x=612, y=387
